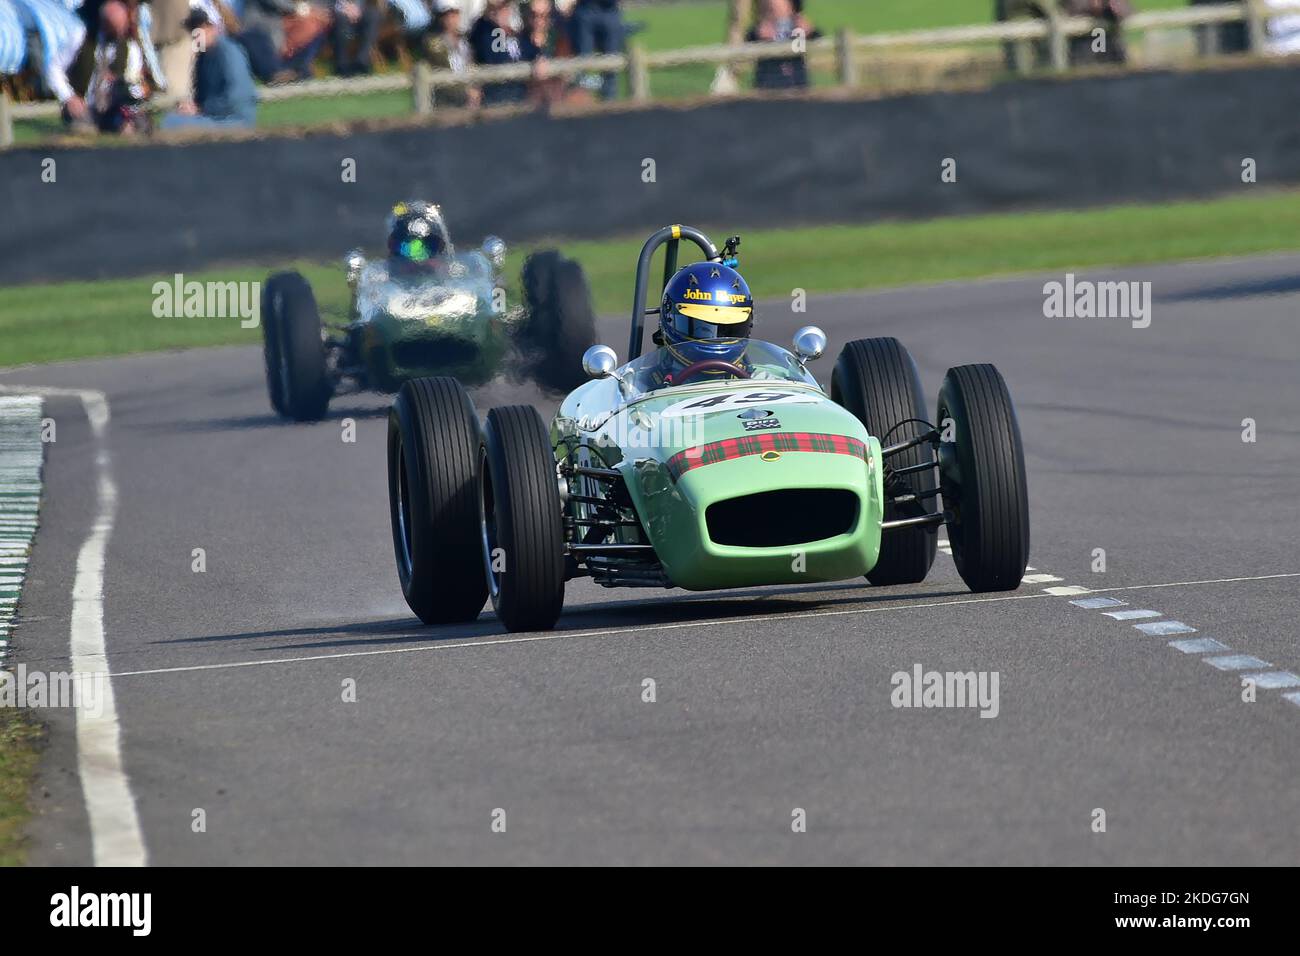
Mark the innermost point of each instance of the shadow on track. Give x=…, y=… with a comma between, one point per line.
x=1273, y=285
x=267, y=420
x=583, y=617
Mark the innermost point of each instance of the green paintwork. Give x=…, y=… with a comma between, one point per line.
x=638, y=438
x=415, y=325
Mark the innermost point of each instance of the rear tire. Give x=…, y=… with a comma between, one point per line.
x=523, y=530
x=982, y=476
x=560, y=324
x=271, y=351
x=877, y=380
x=293, y=341
x=434, y=448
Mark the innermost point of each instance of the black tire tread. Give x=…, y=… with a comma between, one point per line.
x=530, y=526
x=270, y=318
x=437, y=421
x=877, y=380
x=991, y=548
x=298, y=338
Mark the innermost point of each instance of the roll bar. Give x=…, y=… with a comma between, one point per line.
x=672, y=235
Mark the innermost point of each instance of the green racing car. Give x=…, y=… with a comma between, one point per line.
x=425, y=309
x=714, y=461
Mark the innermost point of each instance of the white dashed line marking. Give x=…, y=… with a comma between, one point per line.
x=1040, y=578
x=1066, y=591
x=1198, y=645
x=1293, y=697
x=1236, y=662
x=637, y=631
x=1132, y=615
x=1273, y=680
x=1165, y=628
x=1092, y=604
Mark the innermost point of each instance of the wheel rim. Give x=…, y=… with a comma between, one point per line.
x=403, y=511
x=487, y=525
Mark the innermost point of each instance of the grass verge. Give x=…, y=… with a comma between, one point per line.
x=20, y=744
x=45, y=323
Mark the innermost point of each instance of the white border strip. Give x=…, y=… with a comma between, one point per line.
x=21, y=458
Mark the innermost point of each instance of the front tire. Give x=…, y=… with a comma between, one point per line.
x=294, y=349
x=434, y=448
x=522, y=526
x=877, y=380
x=982, y=477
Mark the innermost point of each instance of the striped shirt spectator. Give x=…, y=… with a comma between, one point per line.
x=415, y=15
x=61, y=33
x=13, y=40
x=1283, y=30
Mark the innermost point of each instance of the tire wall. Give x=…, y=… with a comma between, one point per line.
x=743, y=163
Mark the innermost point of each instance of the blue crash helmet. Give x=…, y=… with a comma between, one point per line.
x=416, y=231
x=707, y=312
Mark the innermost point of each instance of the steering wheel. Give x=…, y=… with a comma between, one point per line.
x=708, y=365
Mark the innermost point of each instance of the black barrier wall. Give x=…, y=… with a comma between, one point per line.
x=1103, y=139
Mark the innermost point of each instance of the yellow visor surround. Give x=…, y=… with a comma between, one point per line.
x=717, y=314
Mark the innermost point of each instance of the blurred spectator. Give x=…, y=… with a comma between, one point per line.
x=262, y=37
x=598, y=28
x=1283, y=30
x=57, y=34
x=494, y=38
x=1006, y=10
x=446, y=48
x=778, y=21
x=1112, y=12
x=356, y=27
x=545, y=36
x=224, y=95
x=175, y=50
x=282, y=38
x=1082, y=49
x=125, y=73
x=413, y=14
x=13, y=41
x=305, y=33
x=1221, y=38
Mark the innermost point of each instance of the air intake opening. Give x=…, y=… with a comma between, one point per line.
x=432, y=352
x=774, y=519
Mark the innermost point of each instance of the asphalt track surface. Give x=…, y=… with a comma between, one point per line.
x=767, y=700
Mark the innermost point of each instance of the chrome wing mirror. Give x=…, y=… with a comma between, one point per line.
x=599, y=361
x=809, y=343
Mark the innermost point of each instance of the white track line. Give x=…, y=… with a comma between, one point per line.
x=116, y=839
x=616, y=632
x=1181, y=584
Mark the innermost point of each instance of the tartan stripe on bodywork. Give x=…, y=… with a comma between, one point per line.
x=729, y=448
